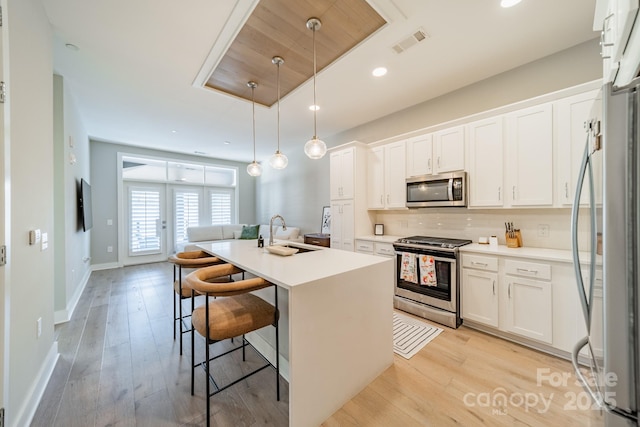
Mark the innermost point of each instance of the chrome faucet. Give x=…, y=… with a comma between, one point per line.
x=284, y=227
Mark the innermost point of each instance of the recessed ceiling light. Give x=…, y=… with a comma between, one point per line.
x=314, y=107
x=227, y=142
x=174, y=131
x=509, y=3
x=379, y=72
x=72, y=47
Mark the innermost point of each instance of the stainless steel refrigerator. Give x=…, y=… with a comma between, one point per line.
x=610, y=352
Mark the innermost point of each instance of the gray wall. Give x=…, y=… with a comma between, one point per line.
x=104, y=181
x=301, y=190
x=71, y=259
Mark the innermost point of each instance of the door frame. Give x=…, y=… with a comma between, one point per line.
x=5, y=224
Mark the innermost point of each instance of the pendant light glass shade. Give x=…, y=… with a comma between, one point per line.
x=254, y=168
x=278, y=160
x=315, y=148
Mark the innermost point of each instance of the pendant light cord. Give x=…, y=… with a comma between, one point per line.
x=253, y=111
x=315, y=103
x=278, y=89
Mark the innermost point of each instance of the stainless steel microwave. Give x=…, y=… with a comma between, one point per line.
x=432, y=191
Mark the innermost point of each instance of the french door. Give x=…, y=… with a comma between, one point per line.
x=145, y=223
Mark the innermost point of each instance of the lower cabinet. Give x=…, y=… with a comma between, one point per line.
x=480, y=296
x=510, y=295
x=342, y=225
x=529, y=308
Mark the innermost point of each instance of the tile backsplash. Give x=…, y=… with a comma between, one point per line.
x=472, y=224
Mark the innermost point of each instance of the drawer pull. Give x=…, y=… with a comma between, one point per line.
x=484, y=264
x=526, y=270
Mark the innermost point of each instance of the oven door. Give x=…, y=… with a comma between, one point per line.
x=444, y=294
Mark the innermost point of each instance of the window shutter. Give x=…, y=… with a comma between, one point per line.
x=144, y=211
x=187, y=214
x=220, y=207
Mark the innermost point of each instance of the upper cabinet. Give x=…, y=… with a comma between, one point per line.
x=529, y=158
x=571, y=117
x=435, y=153
x=420, y=155
x=386, y=176
x=486, y=149
x=341, y=176
x=449, y=150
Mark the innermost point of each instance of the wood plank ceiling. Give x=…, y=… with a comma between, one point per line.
x=278, y=28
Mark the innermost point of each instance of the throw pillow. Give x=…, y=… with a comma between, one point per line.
x=249, y=232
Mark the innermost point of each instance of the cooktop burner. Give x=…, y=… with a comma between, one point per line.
x=439, y=242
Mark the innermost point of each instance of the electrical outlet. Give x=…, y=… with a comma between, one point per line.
x=39, y=325
x=109, y=249
x=543, y=230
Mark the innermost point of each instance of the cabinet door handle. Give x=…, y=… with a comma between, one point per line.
x=494, y=287
x=438, y=161
x=509, y=291
x=381, y=199
x=513, y=192
x=499, y=188
x=566, y=190
x=429, y=164
x=387, y=199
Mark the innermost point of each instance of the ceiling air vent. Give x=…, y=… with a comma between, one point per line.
x=415, y=38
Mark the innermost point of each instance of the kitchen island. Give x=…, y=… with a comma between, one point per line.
x=337, y=313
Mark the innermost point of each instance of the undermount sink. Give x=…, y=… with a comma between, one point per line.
x=287, y=249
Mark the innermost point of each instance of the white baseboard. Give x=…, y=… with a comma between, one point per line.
x=25, y=414
x=269, y=352
x=105, y=266
x=62, y=316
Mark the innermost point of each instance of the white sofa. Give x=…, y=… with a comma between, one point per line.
x=212, y=233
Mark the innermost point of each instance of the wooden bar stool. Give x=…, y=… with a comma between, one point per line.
x=238, y=313
x=188, y=260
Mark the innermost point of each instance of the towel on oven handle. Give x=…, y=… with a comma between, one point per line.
x=408, y=270
x=427, y=266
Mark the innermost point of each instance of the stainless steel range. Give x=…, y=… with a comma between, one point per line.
x=427, y=278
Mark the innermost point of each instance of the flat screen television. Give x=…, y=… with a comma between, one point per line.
x=85, y=205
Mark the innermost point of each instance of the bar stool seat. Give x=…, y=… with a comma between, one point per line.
x=236, y=314
x=188, y=260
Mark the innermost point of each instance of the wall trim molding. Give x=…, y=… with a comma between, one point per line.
x=28, y=408
x=105, y=266
x=62, y=316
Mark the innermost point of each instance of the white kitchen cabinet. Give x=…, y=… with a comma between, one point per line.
x=364, y=246
x=571, y=115
x=480, y=296
x=341, y=174
x=449, y=152
x=528, y=302
x=486, y=163
x=342, y=225
x=386, y=176
x=514, y=296
x=529, y=161
x=420, y=155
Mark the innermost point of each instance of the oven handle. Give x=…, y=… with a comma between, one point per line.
x=450, y=190
x=436, y=258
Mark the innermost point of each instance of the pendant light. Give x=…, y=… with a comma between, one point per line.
x=254, y=168
x=278, y=160
x=315, y=148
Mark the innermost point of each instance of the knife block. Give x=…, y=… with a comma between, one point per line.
x=514, y=240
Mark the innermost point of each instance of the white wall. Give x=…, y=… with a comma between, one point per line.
x=29, y=119
x=309, y=180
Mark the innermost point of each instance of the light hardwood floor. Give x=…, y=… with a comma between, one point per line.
x=119, y=366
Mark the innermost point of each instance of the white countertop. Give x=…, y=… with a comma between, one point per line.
x=373, y=238
x=558, y=255
x=290, y=271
